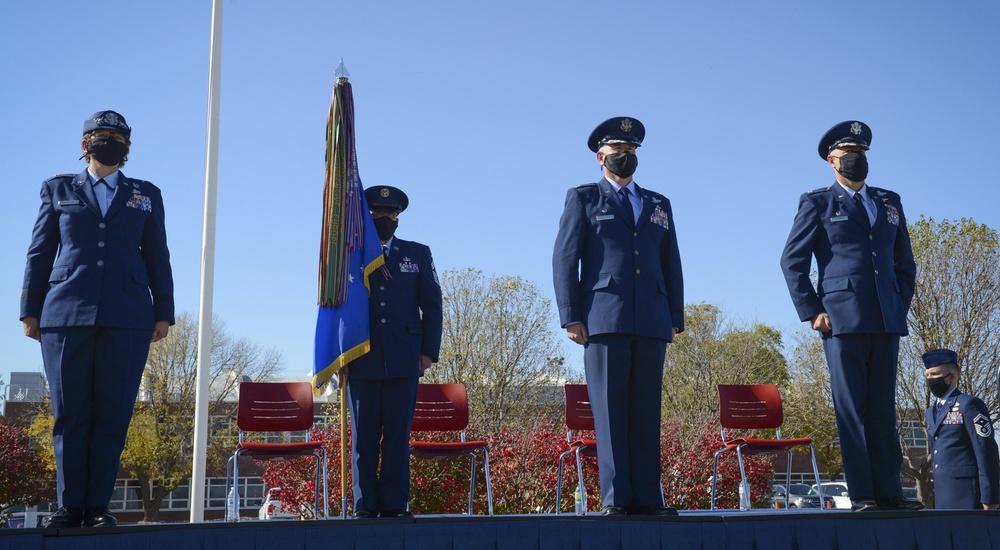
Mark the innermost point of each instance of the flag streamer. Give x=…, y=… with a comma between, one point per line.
x=349, y=247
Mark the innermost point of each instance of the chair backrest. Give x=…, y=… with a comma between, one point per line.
x=578, y=413
x=275, y=406
x=441, y=408
x=756, y=406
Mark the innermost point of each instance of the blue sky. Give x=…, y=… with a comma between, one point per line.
x=480, y=111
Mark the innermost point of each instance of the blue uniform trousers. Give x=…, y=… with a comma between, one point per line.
x=94, y=375
x=863, y=379
x=381, y=414
x=624, y=382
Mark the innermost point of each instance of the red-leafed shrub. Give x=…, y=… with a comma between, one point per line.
x=523, y=463
x=24, y=475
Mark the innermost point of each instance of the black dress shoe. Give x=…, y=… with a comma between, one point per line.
x=64, y=518
x=365, y=514
x=864, y=506
x=99, y=517
x=401, y=514
x=613, y=511
x=901, y=503
x=662, y=511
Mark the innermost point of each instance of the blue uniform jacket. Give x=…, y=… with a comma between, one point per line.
x=964, y=453
x=85, y=269
x=866, y=276
x=611, y=276
x=405, y=314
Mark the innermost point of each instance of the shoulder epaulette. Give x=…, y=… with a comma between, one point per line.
x=820, y=190
x=582, y=185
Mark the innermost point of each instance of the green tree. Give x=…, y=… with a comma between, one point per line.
x=714, y=350
x=808, y=401
x=497, y=340
x=956, y=305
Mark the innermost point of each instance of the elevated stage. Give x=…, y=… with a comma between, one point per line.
x=720, y=530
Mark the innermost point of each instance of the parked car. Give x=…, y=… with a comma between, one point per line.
x=16, y=514
x=838, y=491
x=800, y=495
x=272, y=509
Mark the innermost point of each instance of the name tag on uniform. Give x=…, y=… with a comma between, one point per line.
x=605, y=217
x=836, y=219
x=69, y=203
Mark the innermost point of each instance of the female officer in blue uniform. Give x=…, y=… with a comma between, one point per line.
x=98, y=290
x=405, y=315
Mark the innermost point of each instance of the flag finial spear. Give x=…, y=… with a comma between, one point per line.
x=342, y=71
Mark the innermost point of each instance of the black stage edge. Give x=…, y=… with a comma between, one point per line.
x=719, y=530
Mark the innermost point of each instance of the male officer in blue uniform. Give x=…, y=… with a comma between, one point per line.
x=405, y=314
x=858, y=236
x=97, y=290
x=963, y=450
x=620, y=292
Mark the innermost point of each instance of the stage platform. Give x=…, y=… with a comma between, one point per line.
x=720, y=530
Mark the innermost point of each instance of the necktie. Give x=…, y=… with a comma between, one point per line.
x=627, y=204
x=385, y=251
x=102, y=189
x=864, y=211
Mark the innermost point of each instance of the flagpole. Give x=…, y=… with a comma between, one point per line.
x=207, y=277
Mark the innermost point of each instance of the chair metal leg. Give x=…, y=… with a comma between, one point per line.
x=235, y=502
x=472, y=480
x=743, y=479
x=326, y=488
x=559, y=479
x=229, y=485
x=788, y=480
x=579, y=478
x=316, y=488
x=489, y=486
x=819, y=486
x=715, y=475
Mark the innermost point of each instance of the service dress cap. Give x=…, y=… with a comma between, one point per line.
x=620, y=129
x=106, y=120
x=937, y=357
x=383, y=197
x=850, y=133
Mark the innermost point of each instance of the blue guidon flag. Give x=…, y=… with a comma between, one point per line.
x=349, y=249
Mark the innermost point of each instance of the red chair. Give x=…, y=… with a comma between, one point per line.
x=579, y=418
x=276, y=407
x=445, y=408
x=755, y=407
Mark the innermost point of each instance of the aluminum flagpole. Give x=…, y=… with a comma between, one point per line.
x=207, y=276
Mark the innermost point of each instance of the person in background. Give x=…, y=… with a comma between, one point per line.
x=963, y=450
x=405, y=315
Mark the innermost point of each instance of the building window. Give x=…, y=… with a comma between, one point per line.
x=251, y=491
x=914, y=433
x=126, y=495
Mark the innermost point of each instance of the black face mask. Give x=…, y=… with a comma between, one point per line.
x=385, y=227
x=108, y=152
x=854, y=166
x=939, y=386
x=621, y=164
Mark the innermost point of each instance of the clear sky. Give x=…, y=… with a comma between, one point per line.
x=480, y=111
